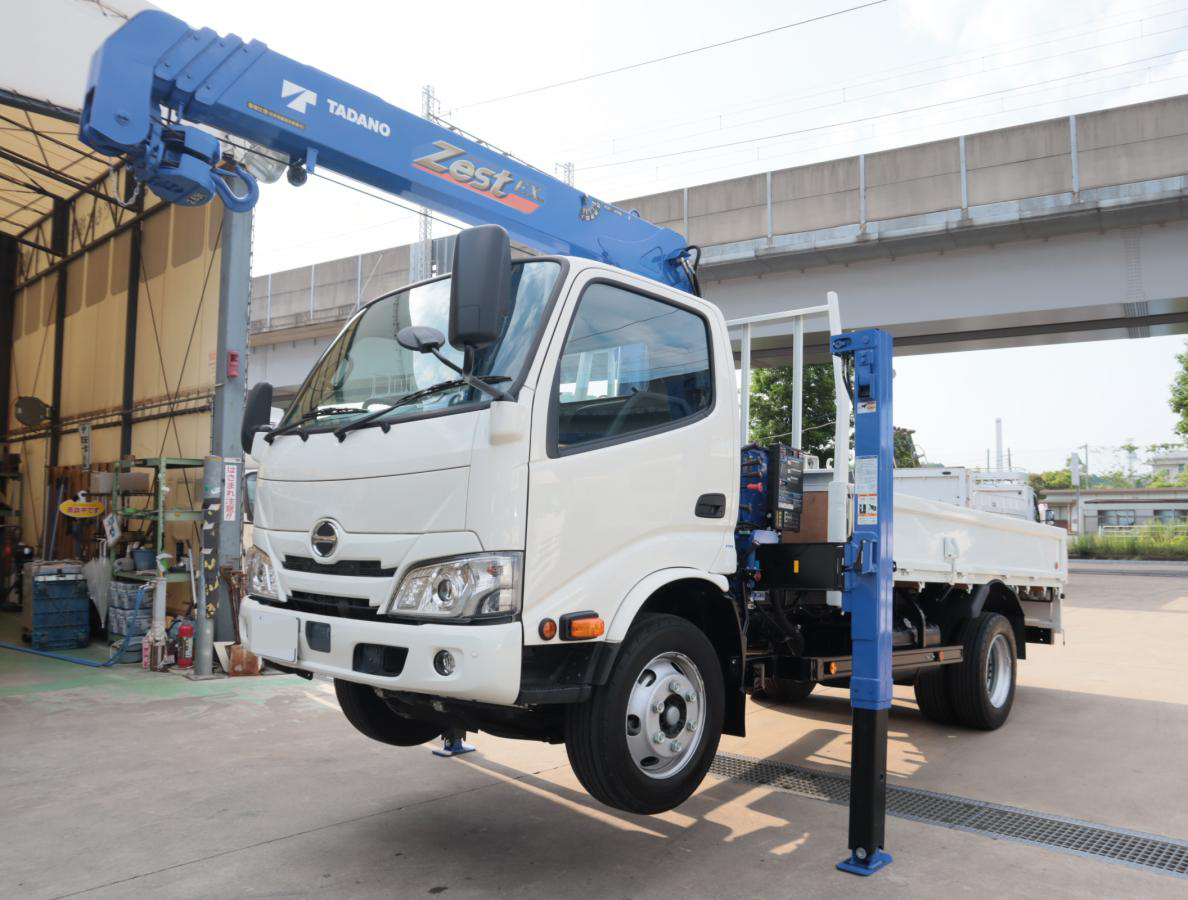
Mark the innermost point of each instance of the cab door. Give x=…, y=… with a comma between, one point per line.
x=634, y=450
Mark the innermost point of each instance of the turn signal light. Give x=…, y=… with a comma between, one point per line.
x=582, y=629
x=548, y=629
x=832, y=668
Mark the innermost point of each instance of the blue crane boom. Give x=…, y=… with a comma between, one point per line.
x=312, y=119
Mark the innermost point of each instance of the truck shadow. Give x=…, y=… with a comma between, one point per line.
x=531, y=830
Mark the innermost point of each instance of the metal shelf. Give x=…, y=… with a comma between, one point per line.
x=157, y=514
x=171, y=515
x=160, y=462
x=152, y=576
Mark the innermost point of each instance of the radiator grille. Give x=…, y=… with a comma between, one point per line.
x=352, y=568
x=326, y=605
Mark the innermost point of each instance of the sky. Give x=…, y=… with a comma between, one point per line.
x=891, y=74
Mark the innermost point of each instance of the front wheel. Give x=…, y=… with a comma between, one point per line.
x=373, y=717
x=644, y=741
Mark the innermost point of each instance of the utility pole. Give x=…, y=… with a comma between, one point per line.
x=421, y=262
x=1074, y=469
x=565, y=170
x=222, y=477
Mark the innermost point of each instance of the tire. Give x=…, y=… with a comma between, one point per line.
x=783, y=690
x=982, y=685
x=610, y=738
x=373, y=717
x=932, y=695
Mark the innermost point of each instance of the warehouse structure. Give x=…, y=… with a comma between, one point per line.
x=113, y=349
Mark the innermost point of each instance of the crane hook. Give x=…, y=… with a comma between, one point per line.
x=221, y=181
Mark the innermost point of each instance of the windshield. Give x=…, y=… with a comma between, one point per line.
x=365, y=369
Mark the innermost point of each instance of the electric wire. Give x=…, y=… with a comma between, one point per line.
x=781, y=161
x=876, y=116
x=174, y=396
x=670, y=56
x=586, y=163
x=882, y=75
x=417, y=211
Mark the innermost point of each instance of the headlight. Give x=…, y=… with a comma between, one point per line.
x=462, y=588
x=260, y=574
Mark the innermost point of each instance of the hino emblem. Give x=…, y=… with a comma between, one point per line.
x=323, y=540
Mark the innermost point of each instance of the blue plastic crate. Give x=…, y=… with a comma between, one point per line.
x=58, y=589
x=61, y=610
x=60, y=622
x=60, y=637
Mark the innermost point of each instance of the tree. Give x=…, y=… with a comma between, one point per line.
x=771, y=408
x=1056, y=480
x=1179, y=394
x=906, y=456
x=771, y=413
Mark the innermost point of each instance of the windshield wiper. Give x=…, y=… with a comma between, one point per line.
x=341, y=431
x=309, y=416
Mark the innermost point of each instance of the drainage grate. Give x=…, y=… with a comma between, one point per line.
x=1132, y=848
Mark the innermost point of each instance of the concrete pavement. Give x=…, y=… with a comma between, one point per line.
x=130, y=784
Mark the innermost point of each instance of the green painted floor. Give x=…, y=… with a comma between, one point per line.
x=24, y=674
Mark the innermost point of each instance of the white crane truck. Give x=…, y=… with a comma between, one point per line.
x=560, y=563
x=546, y=527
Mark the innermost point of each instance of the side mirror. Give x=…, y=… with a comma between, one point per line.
x=249, y=496
x=480, y=286
x=420, y=338
x=257, y=409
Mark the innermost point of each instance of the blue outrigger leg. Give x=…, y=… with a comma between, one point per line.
x=868, y=594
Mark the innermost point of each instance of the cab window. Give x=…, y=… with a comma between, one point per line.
x=631, y=365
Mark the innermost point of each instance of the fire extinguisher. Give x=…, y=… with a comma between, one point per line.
x=185, y=646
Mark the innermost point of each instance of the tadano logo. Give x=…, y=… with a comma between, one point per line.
x=303, y=98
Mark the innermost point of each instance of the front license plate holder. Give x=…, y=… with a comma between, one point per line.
x=274, y=635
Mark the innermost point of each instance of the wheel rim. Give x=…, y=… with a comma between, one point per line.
x=998, y=671
x=665, y=713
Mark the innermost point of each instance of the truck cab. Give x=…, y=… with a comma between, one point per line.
x=537, y=565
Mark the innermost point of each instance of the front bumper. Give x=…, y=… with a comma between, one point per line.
x=488, y=657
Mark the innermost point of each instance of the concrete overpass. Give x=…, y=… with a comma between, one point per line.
x=1070, y=229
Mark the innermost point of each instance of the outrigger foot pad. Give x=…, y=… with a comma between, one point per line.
x=455, y=747
x=868, y=866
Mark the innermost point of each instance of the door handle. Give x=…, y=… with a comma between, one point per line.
x=711, y=506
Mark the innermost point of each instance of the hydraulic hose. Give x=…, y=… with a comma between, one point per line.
x=78, y=660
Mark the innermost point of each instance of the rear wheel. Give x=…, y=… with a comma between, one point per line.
x=364, y=709
x=644, y=741
x=932, y=695
x=982, y=685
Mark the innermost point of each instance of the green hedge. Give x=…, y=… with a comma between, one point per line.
x=1149, y=542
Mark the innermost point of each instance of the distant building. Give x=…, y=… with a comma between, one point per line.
x=1169, y=464
x=1109, y=508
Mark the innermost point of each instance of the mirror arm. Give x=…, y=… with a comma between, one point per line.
x=478, y=384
